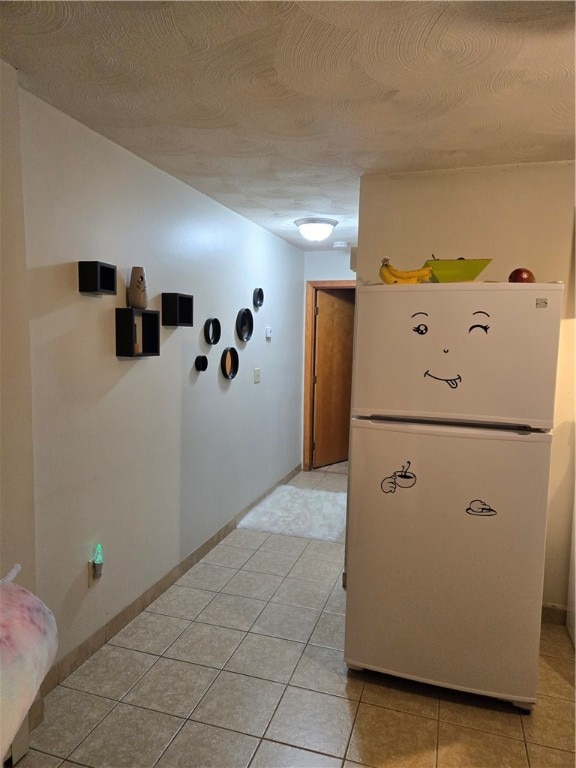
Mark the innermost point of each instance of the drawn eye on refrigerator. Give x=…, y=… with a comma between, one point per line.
x=448, y=487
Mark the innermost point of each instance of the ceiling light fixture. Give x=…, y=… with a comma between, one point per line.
x=315, y=229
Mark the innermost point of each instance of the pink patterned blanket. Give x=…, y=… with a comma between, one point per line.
x=28, y=643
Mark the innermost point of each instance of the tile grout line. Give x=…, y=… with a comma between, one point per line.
x=288, y=685
x=356, y=713
x=222, y=669
x=437, y=750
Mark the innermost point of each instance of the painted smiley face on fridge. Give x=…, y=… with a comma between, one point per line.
x=480, y=352
x=442, y=341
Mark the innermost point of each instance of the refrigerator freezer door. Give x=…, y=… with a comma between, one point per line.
x=445, y=555
x=480, y=352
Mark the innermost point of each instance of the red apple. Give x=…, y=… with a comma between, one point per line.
x=521, y=275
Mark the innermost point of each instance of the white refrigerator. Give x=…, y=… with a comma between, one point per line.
x=452, y=410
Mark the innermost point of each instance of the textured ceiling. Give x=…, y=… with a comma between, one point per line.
x=276, y=109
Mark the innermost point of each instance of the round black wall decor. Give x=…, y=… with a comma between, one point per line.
x=212, y=330
x=244, y=324
x=229, y=363
x=201, y=363
x=258, y=297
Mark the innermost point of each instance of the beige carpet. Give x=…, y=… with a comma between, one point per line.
x=338, y=469
x=302, y=512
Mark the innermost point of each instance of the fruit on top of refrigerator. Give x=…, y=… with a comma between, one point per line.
x=521, y=275
x=391, y=275
x=459, y=270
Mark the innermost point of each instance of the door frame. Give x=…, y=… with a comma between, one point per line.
x=312, y=286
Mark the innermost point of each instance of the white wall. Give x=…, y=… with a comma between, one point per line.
x=147, y=457
x=17, y=530
x=571, y=613
x=328, y=265
x=519, y=216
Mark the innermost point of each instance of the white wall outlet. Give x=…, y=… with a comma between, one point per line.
x=257, y=375
x=268, y=332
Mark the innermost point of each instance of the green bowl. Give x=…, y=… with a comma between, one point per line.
x=456, y=270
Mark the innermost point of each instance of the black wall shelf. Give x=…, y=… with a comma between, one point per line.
x=258, y=297
x=177, y=309
x=137, y=332
x=229, y=363
x=96, y=277
x=201, y=363
x=244, y=324
x=212, y=330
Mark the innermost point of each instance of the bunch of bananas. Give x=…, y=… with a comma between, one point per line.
x=392, y=276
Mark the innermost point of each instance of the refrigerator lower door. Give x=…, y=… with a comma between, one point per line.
x=445, y=555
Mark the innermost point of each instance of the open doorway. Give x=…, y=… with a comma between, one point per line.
x=328, y=371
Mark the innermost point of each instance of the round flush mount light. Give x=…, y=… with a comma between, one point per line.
x=315, y=229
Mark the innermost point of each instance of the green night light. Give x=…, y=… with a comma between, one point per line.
x=97, y=561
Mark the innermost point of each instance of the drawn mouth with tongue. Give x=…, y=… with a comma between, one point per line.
x=452, y=383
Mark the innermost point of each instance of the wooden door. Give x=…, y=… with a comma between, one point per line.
x=332, y=377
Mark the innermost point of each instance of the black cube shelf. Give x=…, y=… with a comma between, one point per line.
x=96, y=277
x=137, y=332
x=177, y=309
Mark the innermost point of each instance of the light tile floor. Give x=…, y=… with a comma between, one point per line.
x=240, y=664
